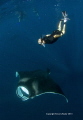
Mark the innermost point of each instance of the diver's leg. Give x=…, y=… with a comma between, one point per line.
x=59, y=26
x=63, y=30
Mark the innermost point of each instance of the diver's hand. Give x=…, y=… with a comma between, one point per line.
x=65, y=18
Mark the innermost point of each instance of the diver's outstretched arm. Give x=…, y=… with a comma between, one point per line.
x=63, y=30
x=59, y=26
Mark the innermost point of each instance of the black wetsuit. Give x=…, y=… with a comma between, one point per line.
x=50, y=39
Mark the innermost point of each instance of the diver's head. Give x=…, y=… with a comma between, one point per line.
x=41, y=42
x=22, y=92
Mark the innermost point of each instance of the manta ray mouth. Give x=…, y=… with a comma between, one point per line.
x=22, y=93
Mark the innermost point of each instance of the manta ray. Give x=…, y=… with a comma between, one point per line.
x=36, y=83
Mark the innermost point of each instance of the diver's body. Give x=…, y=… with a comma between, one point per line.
x=51, y=38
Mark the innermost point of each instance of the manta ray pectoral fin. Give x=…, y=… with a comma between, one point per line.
x=64, y=96
x=59, y=92
x=52, y=87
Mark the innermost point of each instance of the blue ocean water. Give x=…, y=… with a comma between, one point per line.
x=19, y=50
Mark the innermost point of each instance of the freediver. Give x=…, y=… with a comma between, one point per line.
x=51, y=38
